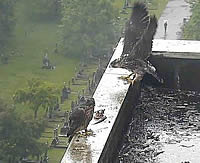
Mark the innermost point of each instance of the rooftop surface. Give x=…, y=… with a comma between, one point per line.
x=186, y=49
x=177, y=46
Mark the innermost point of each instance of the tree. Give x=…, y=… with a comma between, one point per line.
x=18, y=138
x=87, y=26
x=7, y=22
x=192, y=28
x=38, y=94
x=43, y=9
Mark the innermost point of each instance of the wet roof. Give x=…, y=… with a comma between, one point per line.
x=176, y=46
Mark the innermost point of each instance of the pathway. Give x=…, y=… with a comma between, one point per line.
x=174, y=13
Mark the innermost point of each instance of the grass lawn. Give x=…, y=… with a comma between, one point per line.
x=27, y=63
x=157, y=7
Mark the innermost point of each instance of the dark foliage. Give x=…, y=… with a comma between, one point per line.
x=191, y=30
x=18, y=138
x=7, y=22
x=43, y=10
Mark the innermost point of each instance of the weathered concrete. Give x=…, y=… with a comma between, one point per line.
x=117, y=98
x=187, y=71
x=183, y=49
x=120, y=126
x=175, y=12
x=177, y=62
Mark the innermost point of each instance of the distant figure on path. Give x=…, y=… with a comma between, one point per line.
x=165, y=25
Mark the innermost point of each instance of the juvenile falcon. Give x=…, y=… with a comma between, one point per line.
x=80, y=117
x=139, y=33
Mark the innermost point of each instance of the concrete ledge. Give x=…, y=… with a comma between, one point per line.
x=120, y=126
x=180, y=49
x=117, y=98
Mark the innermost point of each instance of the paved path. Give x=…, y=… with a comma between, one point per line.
x=174, y=12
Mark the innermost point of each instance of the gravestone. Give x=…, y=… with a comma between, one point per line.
x=73, y=81
x=72, y=105
x=65, y=93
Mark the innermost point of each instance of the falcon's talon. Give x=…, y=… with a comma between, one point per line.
x=126, y=78
x=89, y=133
x=86, y=133
x=130, y=80
x=80, y=135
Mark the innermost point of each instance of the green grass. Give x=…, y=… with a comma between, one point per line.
x=56, y=155
x=157, y=7
x=27, y=63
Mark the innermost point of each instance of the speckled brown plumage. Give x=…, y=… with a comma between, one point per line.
x=81, y=116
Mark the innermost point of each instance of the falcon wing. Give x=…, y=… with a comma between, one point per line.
x=143, y=48
x=135, y=27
